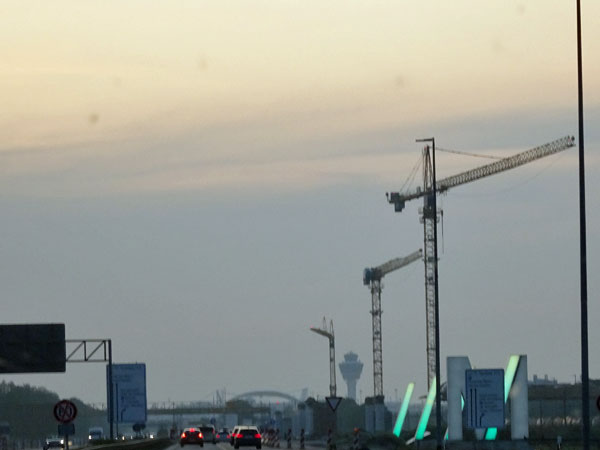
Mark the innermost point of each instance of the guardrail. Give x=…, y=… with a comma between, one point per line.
x=144, y=444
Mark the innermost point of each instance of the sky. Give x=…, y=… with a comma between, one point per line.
x=201, y=182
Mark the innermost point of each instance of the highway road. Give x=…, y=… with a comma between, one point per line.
x=226, y=446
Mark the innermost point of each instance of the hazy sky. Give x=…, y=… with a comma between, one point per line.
x=202, y=181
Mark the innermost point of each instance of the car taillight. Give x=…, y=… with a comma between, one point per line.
x=239, y=435
x=257, y=435
x=200, y=435
x=218, y=435
x=183, y=435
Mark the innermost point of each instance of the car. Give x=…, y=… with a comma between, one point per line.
x=235, y=430
x=223, y=435
x=95, y=433
x=191, y=436
x=247, y=437
x=54, y=442
x=233, y=433
x=208, y=433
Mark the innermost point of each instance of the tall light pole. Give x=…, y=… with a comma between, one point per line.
x=585, y=381
x=438, y=401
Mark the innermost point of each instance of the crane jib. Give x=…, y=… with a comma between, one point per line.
x=399, y=200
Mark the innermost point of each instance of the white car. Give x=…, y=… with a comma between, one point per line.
x=54, y=442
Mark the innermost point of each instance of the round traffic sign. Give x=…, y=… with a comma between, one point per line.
x=65, y=411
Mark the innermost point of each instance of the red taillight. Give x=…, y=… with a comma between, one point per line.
x=183, y=435
x=257, y=435
x=200, y=435
x=239, y=435
x=192, y=429
x=218, y=435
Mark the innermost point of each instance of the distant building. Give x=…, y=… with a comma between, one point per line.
x=351, y=369
x=537, y=381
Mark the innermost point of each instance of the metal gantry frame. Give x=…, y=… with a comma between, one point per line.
x=94, y=351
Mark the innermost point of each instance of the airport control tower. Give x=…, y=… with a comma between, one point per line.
x=351, y=369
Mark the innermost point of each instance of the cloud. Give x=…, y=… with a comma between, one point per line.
x=259, y=158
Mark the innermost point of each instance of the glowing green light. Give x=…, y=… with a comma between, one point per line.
x=403, y=409
x=509, y=374
x=426, y=412
x=491, y=433
x=509, y=378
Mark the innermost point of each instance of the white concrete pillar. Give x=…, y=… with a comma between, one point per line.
x=456, y=367
x=519, y=403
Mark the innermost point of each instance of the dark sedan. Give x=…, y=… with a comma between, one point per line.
x=247, y=437
x=191, y=436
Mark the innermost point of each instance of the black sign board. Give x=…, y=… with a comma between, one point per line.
x=32, y=348
x=66, y=429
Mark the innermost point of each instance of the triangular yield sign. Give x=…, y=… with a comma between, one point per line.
x=333, y=402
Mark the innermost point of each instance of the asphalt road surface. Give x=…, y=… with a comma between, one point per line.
x=226, y=446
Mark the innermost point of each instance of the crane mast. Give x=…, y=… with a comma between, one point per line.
x=373, y=276
x=330, y=335
x=429, y=217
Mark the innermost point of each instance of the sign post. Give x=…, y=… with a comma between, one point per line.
x=65, y=412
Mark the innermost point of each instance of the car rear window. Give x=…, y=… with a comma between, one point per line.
x=207, y=429
x=249, y=432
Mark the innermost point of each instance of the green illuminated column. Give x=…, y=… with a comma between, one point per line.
x=422, y=427
x=403, y=409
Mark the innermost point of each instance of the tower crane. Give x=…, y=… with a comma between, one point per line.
x=429, y=217
x=329, y=334
x=372, y=277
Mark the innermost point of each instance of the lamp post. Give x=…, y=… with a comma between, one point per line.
x=585, y=381
x=438, y=401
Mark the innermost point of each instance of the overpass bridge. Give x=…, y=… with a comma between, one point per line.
x=248, y=406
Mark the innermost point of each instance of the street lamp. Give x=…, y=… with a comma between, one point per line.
x=438, y=401
x=585, y=380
